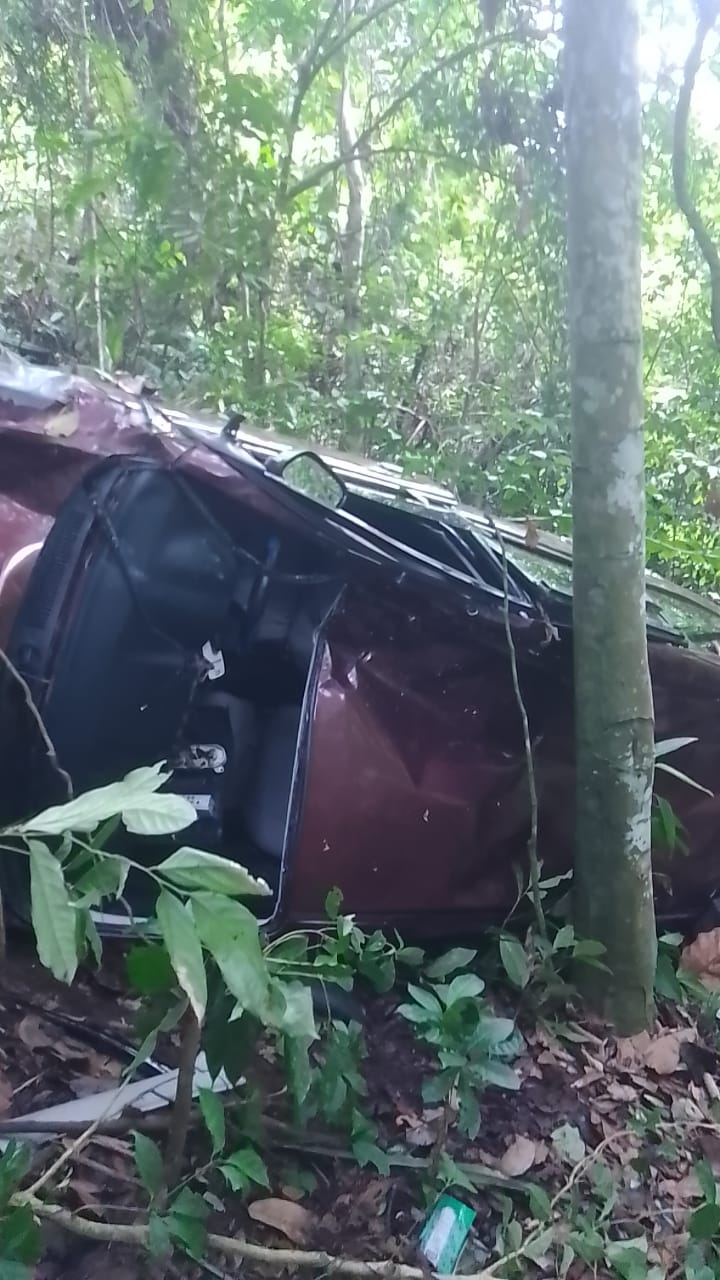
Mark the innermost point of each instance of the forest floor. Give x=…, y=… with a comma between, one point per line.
x=605, y=1160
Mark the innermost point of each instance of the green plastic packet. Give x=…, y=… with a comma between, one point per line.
x=443, y=1237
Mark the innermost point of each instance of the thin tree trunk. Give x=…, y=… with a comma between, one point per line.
x=614, y=714
x=90, y=225
x=352, y=239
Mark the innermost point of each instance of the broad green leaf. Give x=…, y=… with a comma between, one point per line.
x=425, y=999
x=149, y=1163
x=443, y=966
x=564, y=938
x=568, y=1143
x=53, y=915
x=704, y=1223
x=706, y=1181
x=20, y=1239
x=87, y=811
x=501, y=1075
x=539, y=1202
x=183, y=944
x=467, y=986
x=149, y=969
x=294, y=1014
x=192, y=869
x=333, y=903
x=105, y=879
x=243, y=1168
x=161, y=814
x=213, y=1113
x=186, y=1222
x=369, y=1153
x=538, y=1246
x=159, y=1242
x=230, y=933
x=515, y=962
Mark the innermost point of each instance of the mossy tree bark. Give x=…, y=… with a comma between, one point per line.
x=614, y=713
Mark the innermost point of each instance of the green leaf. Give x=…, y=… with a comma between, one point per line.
x=564, y=938
x=243, y=1168
x=11, y=1270
x=149, y=1163
x=443, y=966
x=294, y=1014
x=159, y=1242
x=193, y=869
x=14, y=1165
x=20, y=1239
x=161, y=814
x=539, y=1202
x=89, y=810
x=706, y=1181
x=333, y=903
x=515, y=962
x=704, y=1223
x=53, y=914
x=425, y=999
x=536, y=1248
x=183, y=945
x=568, y=1143
x=186, y=1222
x=628, y=1257
x=501, y=1076
x=230, y=933
x=105, y=879
x=213, y=1113
x=369, y=1153
x=668, y=745
x=467, y=986
x=298, y=1070
x=149, y=969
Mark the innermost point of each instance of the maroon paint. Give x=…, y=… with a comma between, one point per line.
x=412, y=794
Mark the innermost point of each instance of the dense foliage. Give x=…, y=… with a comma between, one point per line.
x=346, y=218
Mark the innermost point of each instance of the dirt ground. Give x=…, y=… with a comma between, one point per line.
x=652, y=1102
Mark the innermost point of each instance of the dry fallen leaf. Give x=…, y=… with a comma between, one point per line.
x=291, y=1219
x=663, y=1055
x=63, y=424
x=659, y=1054
x=702, y=957
x=518, y=1158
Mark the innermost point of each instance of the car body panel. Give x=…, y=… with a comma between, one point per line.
x=410, y=783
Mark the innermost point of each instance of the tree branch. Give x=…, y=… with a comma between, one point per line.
x=454, y=59
x=709, y=11
x=328, y=167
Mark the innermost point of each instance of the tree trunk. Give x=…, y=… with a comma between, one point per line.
x=352, y=238
x=614, y=713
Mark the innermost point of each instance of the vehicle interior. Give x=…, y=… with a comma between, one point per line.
x=166, y=622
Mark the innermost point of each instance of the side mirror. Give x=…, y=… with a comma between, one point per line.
x=308, y=474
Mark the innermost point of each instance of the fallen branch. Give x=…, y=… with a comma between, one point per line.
x=298, y=1259
x=708, y=13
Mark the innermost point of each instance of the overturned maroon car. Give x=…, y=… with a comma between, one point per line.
x=317, y=647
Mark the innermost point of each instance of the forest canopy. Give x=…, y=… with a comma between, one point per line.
x=345, y=218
